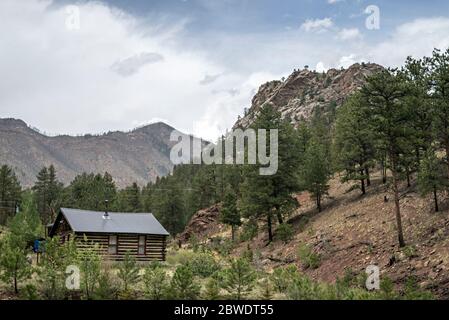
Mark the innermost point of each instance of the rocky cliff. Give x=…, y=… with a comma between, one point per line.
x=305, y=91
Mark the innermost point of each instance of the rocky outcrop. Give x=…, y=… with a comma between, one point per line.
x=203, y=223
x=305, y=91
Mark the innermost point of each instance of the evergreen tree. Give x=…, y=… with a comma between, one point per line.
x=268, y=195
x=23, y=229
x=238, y=280
x=438, y=65
x=229, y=212
x=47, y=190
x=155, y=282
x=431, y=177
x=315, y=172
x=89, y=192
x=184, y=285
x=129, y=199
x=384, y=94
x=354, y=142
x=10, y=190
x=128, y=273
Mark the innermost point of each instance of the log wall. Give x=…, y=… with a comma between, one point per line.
x=155, y=246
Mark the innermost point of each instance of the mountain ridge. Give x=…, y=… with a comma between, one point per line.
x=139, y=155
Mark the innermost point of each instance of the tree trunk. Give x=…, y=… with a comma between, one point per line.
x=368, y=178
x=233, y=232
x=279, y=215
x=447, y=155
x=384, y=171
x=362, y=184
x=318, y=202
x=435, y=197
x=270, y=231
x=396, y=202
x=407, y=170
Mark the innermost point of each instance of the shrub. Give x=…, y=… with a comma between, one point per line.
x=212, y=291
x=180, y=257
x=281, y=277
x=308, y=258
x=203, y=265
x=285, y=232
x=238, y=279
x=128, y=273
x=155, y=282
x=107, y=288
x=249, y=231
x=184, y=285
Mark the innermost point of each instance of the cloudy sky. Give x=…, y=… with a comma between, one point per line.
x=94, y=66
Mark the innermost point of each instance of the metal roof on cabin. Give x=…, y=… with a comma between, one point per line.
x=118, y=222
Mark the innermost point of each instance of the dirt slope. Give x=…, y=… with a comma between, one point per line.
x=355, y=231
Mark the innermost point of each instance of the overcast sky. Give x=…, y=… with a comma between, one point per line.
x=194, y=64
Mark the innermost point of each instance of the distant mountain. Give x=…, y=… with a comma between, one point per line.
x=305, y=92
x=137, y=156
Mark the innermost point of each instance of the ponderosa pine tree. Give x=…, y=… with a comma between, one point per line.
x=47, y=190
x=10, y=190
x=431, y=178
x=384, y=94
x=439, y=70
x=23, y=228
x=315, y=172
x=89, y=192
x=354, y=142
x=230, y=214
x=129, y=199
x=271, y=195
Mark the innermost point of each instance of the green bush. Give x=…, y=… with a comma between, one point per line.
x=284, y=232
x=155, y=282
x=203, y=265
x=308, y=258
x=249, y=231
x=281, y=277
x=184, y=286
x=238, y=280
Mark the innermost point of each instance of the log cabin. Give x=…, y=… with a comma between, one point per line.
x=113, y=234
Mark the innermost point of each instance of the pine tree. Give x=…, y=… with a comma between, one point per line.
x=47, y=193
x=271, y=195
x=10, y=190
x=155, y=282
x=184, y=285
x=128, y=273
x=354, y=142
x=315, y=172
x=390, y=118
x=438, y=65
x=431, y=177
x=238, y=280
x=229, y=212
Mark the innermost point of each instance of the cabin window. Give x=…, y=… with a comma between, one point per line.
x=142, y=244
x=112, y=244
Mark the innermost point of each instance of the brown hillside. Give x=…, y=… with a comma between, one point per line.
x=354, y=231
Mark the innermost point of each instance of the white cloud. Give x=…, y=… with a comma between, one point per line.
x=334, y=1
x=133, y=64
x=317, y=25
x=114, y=73
x=349, y=34
x=320, y=67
